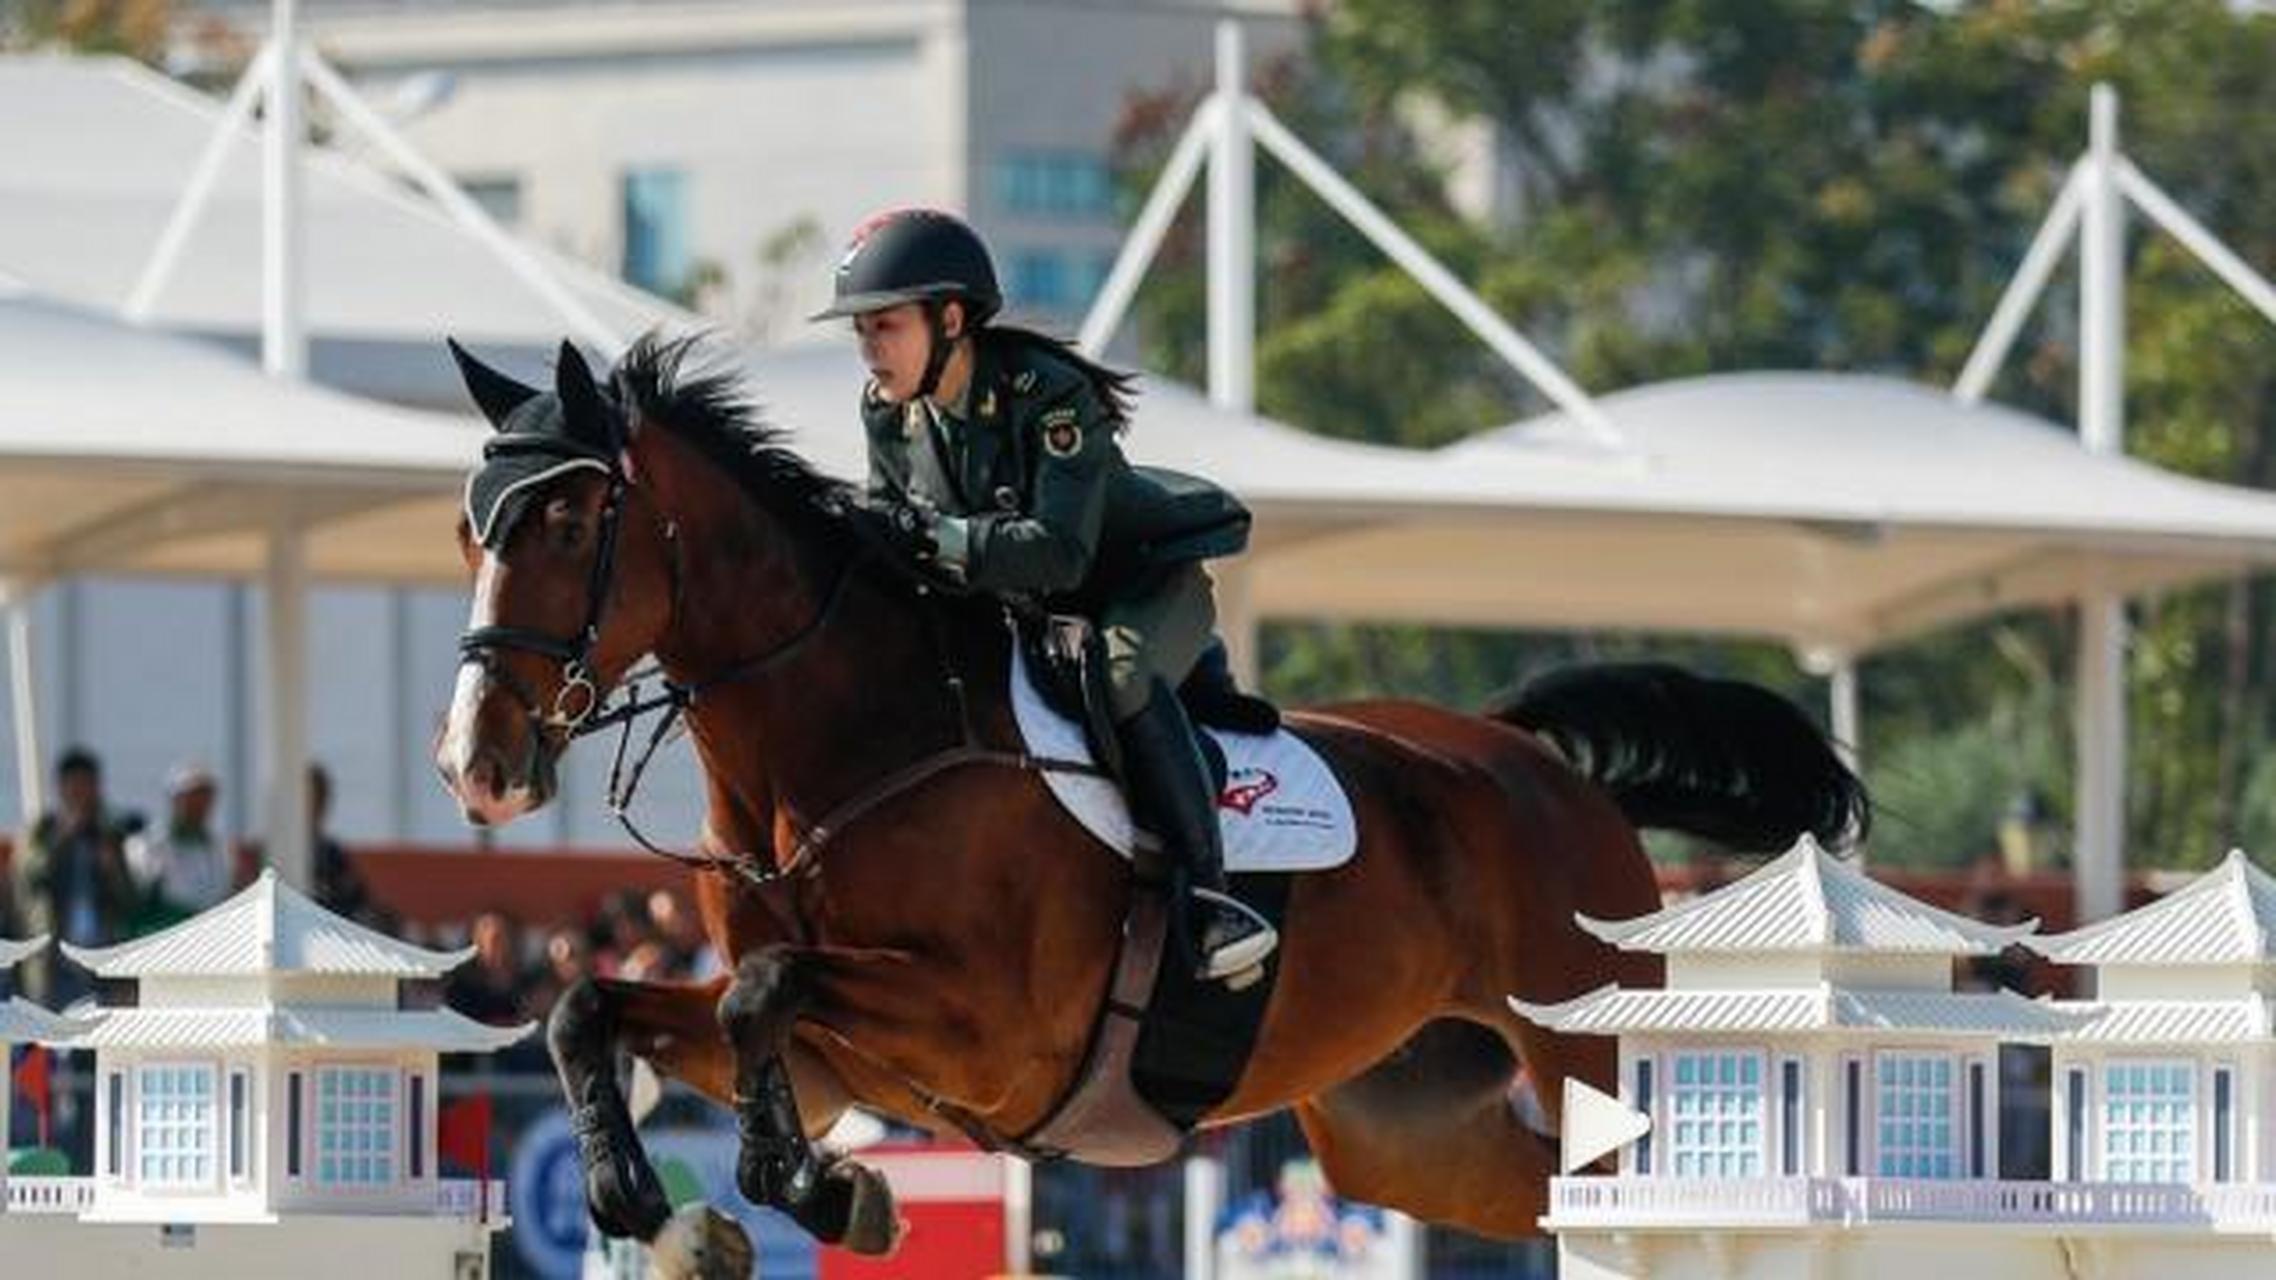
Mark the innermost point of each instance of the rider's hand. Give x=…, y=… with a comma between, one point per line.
x=910, y=527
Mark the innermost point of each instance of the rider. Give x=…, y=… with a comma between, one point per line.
x=993, y=458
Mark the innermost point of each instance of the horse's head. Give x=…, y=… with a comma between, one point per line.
x=571, y=562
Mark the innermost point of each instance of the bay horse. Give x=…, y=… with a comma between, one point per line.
x=929, y=935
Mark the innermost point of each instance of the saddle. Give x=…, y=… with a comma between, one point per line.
x=1166, y=1047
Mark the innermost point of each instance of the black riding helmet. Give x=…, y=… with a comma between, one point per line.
x=917, y=255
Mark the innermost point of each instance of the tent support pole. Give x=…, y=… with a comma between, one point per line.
x=284, y=339
x=23, y=695
x=1232, y=234
x=288, y=828
x=158, y=270
x=2098, y=853
x=1145, y=238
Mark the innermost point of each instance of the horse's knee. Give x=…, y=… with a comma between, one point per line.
x=762, y=1002
x=579, y=1027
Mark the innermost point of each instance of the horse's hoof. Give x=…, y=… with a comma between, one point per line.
x=861, y=1202
x=701, y=1243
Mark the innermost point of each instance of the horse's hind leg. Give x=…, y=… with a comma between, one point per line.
x=1430, y=1131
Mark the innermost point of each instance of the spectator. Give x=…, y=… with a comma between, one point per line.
x=619, y=930
x=681, y=930
x=488, y=987
x=339, y=887
x=181, y=869
x=568, y=959
x=71, y=877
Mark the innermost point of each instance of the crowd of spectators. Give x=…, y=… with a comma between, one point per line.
x=91, y=872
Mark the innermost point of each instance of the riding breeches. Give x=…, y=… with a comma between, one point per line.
x=1157, y=634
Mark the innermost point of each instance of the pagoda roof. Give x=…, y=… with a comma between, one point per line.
x=1612, y=1010
x=2226, y=916
x=1806, y=899
x=268, y=928
x=442, y=1030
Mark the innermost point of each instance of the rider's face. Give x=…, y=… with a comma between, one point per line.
x=895, y=345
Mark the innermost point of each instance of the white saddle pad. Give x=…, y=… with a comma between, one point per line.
x=1282, y=808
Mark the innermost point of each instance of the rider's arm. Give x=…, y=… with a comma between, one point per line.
x=1048, y=547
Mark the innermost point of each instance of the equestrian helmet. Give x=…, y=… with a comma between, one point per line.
x=914, y=255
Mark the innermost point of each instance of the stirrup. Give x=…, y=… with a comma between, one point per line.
x=1242, y=953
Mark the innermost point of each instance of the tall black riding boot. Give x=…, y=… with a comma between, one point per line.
x=1169, y=785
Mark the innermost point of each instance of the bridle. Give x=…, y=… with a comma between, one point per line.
x=580, y=707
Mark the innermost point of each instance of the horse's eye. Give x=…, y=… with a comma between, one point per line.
x=561, y=522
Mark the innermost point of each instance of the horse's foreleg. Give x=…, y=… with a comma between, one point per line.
x=621, y=1188
x=838, y=1201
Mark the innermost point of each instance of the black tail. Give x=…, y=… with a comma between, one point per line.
x=1721, y=759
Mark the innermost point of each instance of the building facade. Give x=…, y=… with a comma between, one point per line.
x=721, y=152
x=1814, y=1098
x=265, y=1097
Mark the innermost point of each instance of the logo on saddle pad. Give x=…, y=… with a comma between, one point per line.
x=1245, y=787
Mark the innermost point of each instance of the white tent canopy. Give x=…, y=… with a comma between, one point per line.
x=98, y=154
x=1831, y=511
x=131, y=451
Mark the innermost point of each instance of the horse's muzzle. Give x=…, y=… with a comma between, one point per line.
x=493, y=761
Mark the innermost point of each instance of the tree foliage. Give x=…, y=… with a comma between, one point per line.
x=1695, y=186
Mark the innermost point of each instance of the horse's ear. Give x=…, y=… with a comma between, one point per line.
x=585, y=410
x=496, y=394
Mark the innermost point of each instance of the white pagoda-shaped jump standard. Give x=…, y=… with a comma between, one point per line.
x=265, y=1100
x=1808, y=1095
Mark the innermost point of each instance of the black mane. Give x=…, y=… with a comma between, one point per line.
x=712, y=412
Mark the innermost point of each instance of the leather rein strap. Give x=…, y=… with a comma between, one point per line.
x=579, y=708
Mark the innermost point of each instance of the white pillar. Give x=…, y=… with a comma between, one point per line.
x=1232, y=234
x=284, y=344
x=2098, y=848
x=285, y=740
x=1843, y=712
x=1204, y=1197
x=1237, y=621
x=23, y=694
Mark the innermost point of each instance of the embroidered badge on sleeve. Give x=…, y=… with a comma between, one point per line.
x=1062, y=433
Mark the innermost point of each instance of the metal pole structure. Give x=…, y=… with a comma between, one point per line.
x=286, y=837
x=2193, y=235
x=1232, y=234
x=23, y=695
x=158, y=270
x=284, y=343
x=1843, y=711
x=2098, y=853
x=1432, y=275
x=444, y=191
x=1204, y=1197
x=2047, y=246
x=1145, y=238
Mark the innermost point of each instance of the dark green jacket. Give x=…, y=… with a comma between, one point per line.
x=1054, y=511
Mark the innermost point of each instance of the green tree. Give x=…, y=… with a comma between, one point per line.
x=1792, y=184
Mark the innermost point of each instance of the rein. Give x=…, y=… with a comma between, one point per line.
x=579, y=707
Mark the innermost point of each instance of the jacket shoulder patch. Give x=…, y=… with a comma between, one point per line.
x=1062, y=431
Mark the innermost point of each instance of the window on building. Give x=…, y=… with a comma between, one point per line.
x=1853, y=1112
x=2025, y=1097
x=355, y=1127
x=497, y=194
x=1715, y=1105
x=1790, y=1117
x=1643, y=1103
x=239, y=1119
x=1040, y=279
x=415, y=1128
x=2224, y=1109
x=2149, y=1122
x=1977, y=1161
x=114, y=1142
x=658, y=246
x=1055, y=183
x=174, y=1125
x=2074, y=1125
x=1912, y=1094
x=292, y=1125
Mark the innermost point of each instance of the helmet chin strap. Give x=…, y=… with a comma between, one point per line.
x=936, y=360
